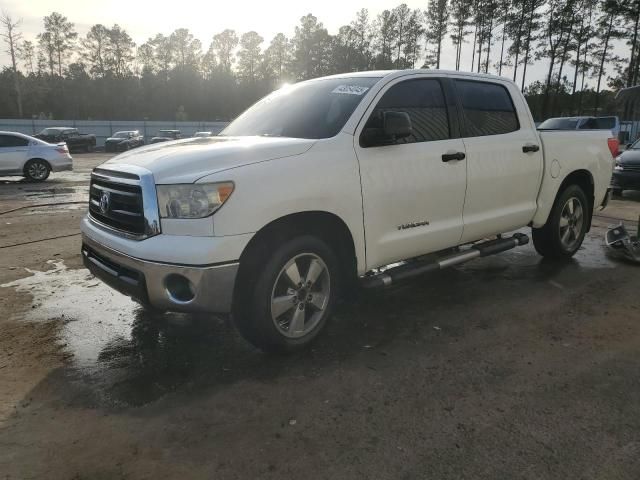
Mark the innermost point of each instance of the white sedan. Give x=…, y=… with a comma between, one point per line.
x=31, y=158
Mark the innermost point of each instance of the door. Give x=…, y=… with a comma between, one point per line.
x=504, y=159
x=13, y=153
x=413, y=188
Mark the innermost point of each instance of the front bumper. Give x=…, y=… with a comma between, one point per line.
x=154, y=283
x=629, y=180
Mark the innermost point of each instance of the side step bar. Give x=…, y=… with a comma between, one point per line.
x=409, y=270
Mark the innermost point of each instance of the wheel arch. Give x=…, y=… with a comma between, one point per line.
x=328, y=226
x=581, y=177
x=584, y=179
x=24, y=166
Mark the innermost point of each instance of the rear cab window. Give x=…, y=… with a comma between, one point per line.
x=487, y=108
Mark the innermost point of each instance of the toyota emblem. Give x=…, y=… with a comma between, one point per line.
x=105, y=200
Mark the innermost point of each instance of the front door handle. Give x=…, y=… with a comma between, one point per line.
x=530, y=147
x=447, y=157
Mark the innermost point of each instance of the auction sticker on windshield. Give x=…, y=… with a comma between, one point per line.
x=350, y=89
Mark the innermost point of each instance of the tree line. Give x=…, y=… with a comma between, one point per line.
x=105, y=75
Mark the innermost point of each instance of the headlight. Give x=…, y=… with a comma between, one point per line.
x=618, y=166
x=195, y=200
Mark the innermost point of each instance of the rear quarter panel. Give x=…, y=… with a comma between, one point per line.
x=569, y=151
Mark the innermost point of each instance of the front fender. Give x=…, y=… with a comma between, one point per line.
x=325, y=178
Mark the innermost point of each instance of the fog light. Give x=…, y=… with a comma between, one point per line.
x=179, y=288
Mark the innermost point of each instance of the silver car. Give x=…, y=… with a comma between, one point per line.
x=31, y=158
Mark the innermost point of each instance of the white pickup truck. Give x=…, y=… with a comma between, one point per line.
x=331, y=180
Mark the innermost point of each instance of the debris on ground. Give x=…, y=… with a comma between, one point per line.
x=623, y=245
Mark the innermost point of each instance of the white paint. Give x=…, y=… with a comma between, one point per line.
x=498, y=188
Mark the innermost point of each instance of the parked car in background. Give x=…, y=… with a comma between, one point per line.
x=71, y=136
x=122, y=141
x=611, y=123
x=626, y=173
x=32, y=158
x=166, y=135
x=334, y=180
x=203, y=134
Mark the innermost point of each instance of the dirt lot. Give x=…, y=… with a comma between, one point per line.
x=507, y=367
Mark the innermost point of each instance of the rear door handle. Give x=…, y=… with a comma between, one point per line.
x=530, y=147
x=447, y=157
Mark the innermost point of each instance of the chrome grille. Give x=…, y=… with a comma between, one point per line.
x=124, y=201
x=631, y=168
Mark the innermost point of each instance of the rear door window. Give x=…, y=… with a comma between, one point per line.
x=487, y=108
x=12, y=141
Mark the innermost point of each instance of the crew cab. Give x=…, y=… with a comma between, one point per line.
x=373, y=177
x=70, y=136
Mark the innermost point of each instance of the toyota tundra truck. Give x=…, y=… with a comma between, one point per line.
x=363, y=179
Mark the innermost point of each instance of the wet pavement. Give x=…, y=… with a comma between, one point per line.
x=506, y=367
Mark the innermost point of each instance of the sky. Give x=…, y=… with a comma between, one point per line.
x=143, y=18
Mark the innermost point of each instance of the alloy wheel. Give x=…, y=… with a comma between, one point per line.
x=300, y=295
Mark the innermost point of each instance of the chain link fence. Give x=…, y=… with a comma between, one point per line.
x=103, y=129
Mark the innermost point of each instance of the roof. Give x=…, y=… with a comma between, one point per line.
x=401, y=73
x=19, y=134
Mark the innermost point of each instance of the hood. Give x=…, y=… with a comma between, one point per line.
x=185, y=161
x=630, y=157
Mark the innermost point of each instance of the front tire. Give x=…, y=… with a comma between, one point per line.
x=37, y=170
x=566, y=227
x=288, y=300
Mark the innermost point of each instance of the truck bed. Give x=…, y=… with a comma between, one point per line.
x=567, y=151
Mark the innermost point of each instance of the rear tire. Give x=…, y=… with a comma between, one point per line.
x=287, y=299
x=564, y=232
x=37, y=170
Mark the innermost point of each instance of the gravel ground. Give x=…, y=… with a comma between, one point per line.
x=506, y=367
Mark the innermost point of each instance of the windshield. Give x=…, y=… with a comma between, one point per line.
x=317, y=109
x=50, y=131
x=635, y=146
x=559, y=124
x=121, y=135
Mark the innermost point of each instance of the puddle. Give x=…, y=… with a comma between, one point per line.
x=57, y=198
x=127, y=354
x=77, y=298
x=51, y=194
x=73, y=176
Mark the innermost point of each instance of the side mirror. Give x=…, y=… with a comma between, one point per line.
x=395, y=125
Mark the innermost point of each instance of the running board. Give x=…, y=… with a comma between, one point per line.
x=413, y=269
